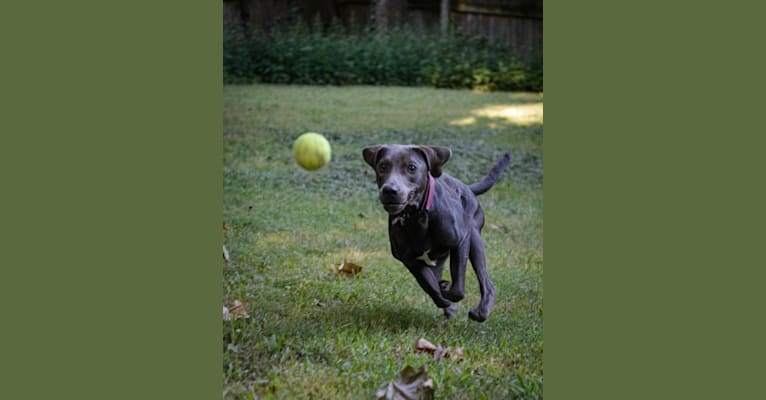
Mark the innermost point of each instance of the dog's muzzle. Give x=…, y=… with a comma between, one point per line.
x=392, y=198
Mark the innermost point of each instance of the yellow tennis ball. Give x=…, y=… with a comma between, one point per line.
x=311, y=151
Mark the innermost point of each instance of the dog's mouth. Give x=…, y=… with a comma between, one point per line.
x=397, y=204
x=394, y=208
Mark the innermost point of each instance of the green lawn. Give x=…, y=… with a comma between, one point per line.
x=315, y=334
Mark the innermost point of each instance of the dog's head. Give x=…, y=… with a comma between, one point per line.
x=401, y=172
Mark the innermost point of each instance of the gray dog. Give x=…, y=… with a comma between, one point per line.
x=432, y=216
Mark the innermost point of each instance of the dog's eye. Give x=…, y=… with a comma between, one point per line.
x=412, y=168
x=383, y=167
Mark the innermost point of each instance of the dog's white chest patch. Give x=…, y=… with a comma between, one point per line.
x=425, y=259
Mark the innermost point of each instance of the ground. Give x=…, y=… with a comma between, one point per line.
x=316, y=334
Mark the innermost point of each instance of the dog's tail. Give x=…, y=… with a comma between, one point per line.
x=491, y=178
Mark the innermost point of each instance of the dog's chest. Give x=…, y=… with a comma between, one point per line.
x=412, y=242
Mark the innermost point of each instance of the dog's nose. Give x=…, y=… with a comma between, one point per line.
x=389, y=190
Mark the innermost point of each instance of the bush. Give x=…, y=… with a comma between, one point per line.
x=400, y=57
x=237, y=56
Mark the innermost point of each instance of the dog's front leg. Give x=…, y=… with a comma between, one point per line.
x=458, y=259
x=450, y=311
x=430, y=284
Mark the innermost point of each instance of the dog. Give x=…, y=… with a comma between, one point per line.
x=433, y=216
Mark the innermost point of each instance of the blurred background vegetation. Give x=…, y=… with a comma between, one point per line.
x=472, y=44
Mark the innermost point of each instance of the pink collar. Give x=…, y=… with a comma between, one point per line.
x=429, y=192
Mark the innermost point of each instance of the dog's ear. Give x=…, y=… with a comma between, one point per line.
x=370, y=154
x=436, y=156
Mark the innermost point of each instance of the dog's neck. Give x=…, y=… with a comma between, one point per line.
x=425, y=206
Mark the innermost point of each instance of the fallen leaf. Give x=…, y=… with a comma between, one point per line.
x=318, y=303
x=411, y=385
x=424, y=346
x=225, y=227
x=238, y=310
x=226, y=254
x=348, y=269
x=226, y=314
x=439, y=352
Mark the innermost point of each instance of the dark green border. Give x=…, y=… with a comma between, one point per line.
x=111, y=212
x=653, y=200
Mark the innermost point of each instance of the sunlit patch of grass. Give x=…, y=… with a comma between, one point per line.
x=496, y=116
x=316, y=334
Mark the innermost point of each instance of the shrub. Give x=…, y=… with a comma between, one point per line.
x=404, y=57
x=237, y=56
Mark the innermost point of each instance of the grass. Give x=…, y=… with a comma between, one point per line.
x=315, y=334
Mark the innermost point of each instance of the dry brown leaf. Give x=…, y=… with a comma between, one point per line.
x=347, y=269
x=226, y=314
x=238, y=310
x=424, y=346
x=439, y=352
x=411, y=385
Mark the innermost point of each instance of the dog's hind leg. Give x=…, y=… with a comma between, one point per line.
x=479, y=263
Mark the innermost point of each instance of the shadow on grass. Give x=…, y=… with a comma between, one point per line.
x=390, y=318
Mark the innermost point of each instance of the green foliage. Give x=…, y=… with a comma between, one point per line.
x=401, y=57
x=237, y=56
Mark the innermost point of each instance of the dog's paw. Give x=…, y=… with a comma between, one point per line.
x=447, y=292
x=478, y=315
x=450, y=295
x=481, y=312
x=450, y=311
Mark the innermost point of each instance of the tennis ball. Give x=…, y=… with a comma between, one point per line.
x=311, y=151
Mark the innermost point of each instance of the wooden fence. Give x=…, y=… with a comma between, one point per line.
x=519, y=23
